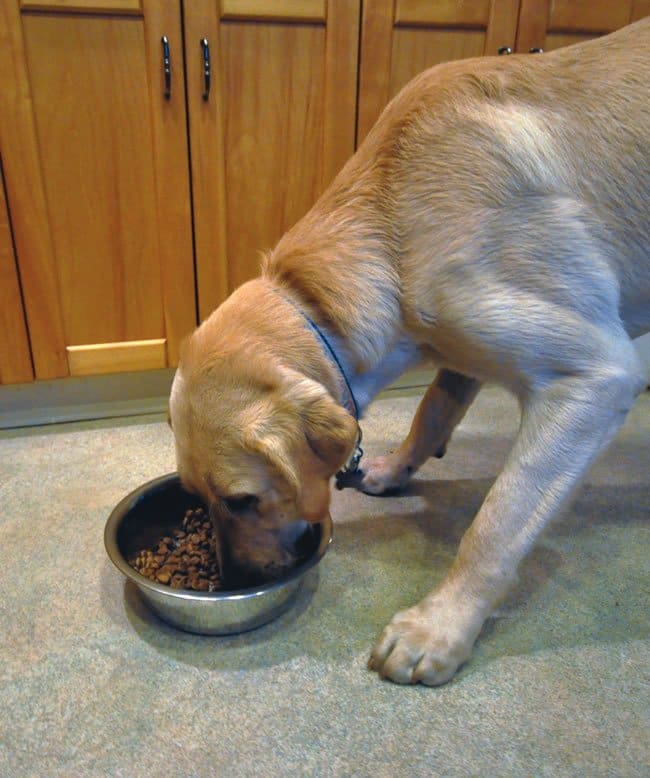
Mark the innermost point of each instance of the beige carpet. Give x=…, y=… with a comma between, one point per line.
x=93, y=685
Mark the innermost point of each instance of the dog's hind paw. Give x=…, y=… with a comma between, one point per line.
x=384, y=474
x=417, y=647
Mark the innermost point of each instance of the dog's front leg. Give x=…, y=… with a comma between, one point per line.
x=443, y=406
x=564, y=426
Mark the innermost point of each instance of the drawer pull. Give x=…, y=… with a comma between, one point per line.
x=167, y=67
x=205, y=47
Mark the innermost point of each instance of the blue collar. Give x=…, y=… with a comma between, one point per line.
x=327, y=347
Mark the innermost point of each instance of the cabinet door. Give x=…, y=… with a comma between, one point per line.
x=276, y=126
x=401, y=38
x=95, y=160
x=15, y=361
x=550, y=24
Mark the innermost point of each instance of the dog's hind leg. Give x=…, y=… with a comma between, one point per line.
x=568, y=417
x=443, y=406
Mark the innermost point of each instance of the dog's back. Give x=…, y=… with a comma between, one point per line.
x=564, y=132
x=478, y=167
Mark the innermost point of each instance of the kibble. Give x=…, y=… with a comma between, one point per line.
x=184, y=559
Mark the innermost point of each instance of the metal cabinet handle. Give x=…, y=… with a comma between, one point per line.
x=504, y=50
x=167, y=67
x=535, y=50
x=205, y=47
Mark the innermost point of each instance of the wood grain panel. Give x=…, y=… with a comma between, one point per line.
x=207, y=155
x=533, y=22
x=551, y=24
x=340, y=99
x=442, y=13
x=277, y=127
x=172, y=175
x=15, y=360
x=640, y=9
x=374, y=63
x=557, y=40
x=92, y=108
x=273, y=113
x=502, y=25
x=285, y=10
x=30, y=219
x=86, y=6
x=589, y=15
x=416, y=50
x=98, y=358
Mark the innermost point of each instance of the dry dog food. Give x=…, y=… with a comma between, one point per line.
x=184, y=559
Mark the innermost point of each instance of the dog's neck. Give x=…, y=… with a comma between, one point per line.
x=348, y=401
x=356, y=386
x=339, y=266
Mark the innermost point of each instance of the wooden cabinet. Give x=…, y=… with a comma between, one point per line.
x=98, y=159
x=277, y=126
x=137, y=207
x=550, y=24
x=95, y=161
x=15, y=360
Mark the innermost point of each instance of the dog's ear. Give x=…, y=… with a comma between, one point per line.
x=305, y=436
x=329, y=435
x=331, y=432
x=329, y=429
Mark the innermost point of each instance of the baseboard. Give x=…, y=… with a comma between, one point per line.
x=84, y=398
x=110, y=396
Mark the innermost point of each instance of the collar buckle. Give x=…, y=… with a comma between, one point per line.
x=351, y=471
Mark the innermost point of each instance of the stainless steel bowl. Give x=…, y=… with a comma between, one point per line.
x=147, y=514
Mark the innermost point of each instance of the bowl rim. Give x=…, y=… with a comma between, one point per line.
x=118, y=514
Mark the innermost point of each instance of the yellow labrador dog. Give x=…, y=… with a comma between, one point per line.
x=496, y=220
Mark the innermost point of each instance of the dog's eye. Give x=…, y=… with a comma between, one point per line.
x=240, y=503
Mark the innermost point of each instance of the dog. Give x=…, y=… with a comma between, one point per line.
x=496, y=223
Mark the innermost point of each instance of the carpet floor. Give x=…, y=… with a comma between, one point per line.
x=93, y=684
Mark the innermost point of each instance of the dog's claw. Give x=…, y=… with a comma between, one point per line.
x=417, y=647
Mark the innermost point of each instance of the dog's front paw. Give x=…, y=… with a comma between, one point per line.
x=384, y=474
x=419, y=647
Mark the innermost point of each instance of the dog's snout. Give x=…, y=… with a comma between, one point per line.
x=235, y=577
x=250, y=554
x=292, y=535
x=233, y=574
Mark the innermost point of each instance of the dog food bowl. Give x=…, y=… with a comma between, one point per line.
x=148, y=514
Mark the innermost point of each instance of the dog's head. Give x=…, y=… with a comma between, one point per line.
x=259, y=443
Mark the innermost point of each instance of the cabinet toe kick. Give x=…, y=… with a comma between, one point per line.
x=96, y=358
